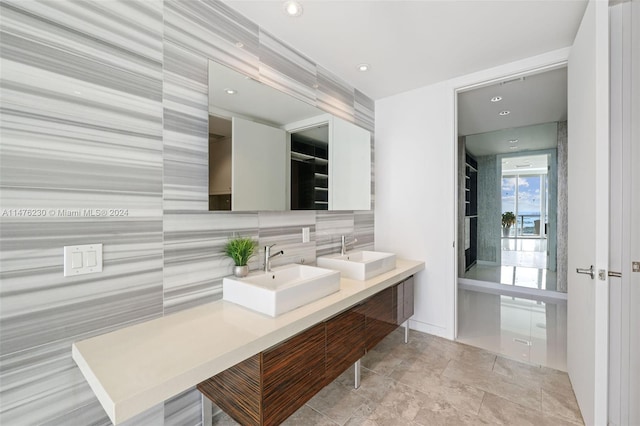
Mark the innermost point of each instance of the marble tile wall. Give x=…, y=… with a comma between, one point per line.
x=489, y=209
x=104, y=106
x=562, y=217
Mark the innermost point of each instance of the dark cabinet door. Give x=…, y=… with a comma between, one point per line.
x=292, y=372
x=380, y=316
x=237, y=391
x=345, y=341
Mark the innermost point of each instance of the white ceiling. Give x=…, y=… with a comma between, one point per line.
x=411, y=44
x=539, y=98
x=530, y=138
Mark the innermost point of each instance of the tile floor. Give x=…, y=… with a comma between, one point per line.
x=434, y=381
x=523, y=264
x=531, y=331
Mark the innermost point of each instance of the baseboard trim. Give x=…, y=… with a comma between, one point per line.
x=429, y=329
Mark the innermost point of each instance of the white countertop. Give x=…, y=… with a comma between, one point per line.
x=132, y=369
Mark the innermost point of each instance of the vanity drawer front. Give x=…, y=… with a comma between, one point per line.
x=237, y=391
x=292, y=373
x=380, y=311
x=345, y=341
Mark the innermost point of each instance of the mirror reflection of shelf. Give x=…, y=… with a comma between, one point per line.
x=299, y=156
x=471, y=211
x=310, y=167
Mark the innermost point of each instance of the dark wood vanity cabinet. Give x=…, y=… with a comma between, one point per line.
x=270, y=386
x=345, y=341
x=238, y=390
x=380, y=316
x=292, y=372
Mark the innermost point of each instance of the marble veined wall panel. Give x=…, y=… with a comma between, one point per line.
x=364, y=111
x=287, y=70
x=80, y=162
x=194, y=264
x=335, y=96
x=562, y=208
x=330, y=226
x=489, y=208
x=104, y=106
x=186, y=118
x=214, y=31
x=284, y=229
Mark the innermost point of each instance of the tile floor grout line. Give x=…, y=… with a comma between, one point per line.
x=484, y=394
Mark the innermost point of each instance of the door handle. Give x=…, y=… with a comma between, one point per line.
x=589, y=271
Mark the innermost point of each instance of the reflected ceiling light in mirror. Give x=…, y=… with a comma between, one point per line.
x=513, y=147
x=513, y=140
x=505, y=112
x=363, y=67
x=292, y=8
x=496, y=99
x=239, y=44
x=230, y=91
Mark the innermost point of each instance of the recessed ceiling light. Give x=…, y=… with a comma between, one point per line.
x=292, y=8
x=505, y=112
x=230, y=91
x=513, y=140
x=363, y=67
x=496, y=99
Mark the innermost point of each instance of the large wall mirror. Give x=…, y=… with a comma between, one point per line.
x=271, y=151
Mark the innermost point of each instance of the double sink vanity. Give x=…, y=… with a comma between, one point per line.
x=275, y=340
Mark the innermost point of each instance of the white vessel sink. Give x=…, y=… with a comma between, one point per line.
x=360, y=265
x=281, y=290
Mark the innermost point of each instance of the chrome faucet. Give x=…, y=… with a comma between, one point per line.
x=268, y=256
x=344, y=244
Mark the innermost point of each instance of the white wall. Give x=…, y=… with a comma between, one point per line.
x=416, y=185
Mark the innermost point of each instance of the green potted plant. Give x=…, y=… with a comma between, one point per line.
x=240, y=250
x=508, y=219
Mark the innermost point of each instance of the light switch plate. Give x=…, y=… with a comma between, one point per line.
x=305, y=235
x=84, y=259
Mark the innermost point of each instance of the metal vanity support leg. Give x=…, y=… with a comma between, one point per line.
x=406, y=331
x=207, y=411
x=357, y=375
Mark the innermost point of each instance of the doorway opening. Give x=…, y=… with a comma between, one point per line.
x=512, y=159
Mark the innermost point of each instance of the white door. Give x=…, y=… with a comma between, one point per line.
x=588, y=182
x=624, y=338
x=258, y=150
